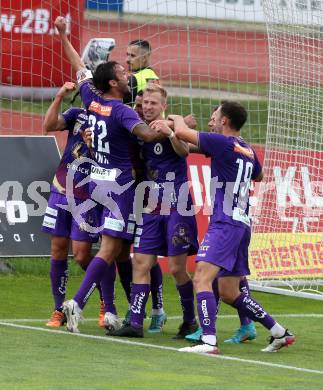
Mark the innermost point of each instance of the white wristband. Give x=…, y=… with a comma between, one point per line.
x=83, y=74
x=171, y=135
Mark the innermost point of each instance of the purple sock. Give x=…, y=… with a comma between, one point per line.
x=107, y=287
x=244, y=288
x=58, y=277
x=139, y=298
x=251, y=308
x=84, y=268
x=156, y=287
x=125, y=274
x=207, y=309
x=186, y=294
x=92, y=278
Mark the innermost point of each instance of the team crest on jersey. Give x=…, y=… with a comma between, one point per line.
x=158, y=149
x=99, y=109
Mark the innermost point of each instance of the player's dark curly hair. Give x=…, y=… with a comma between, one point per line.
x=104, y=73
x=235, y=112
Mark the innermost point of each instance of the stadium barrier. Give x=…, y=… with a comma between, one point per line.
x=28, y=165
x=294, y=249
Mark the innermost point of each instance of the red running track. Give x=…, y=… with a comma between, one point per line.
x=215, y=55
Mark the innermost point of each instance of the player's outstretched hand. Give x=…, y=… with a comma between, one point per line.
x=67, y=88
x=60, y=24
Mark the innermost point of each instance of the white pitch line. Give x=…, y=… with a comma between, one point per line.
x=225, y=316
x=154, y=346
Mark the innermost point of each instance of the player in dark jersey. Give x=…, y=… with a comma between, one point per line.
x=163, y=231
x=224, y=250
x=58, y=222
x=158, y=314
x=113, y=125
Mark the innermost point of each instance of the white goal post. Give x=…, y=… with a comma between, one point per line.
x=288, y=226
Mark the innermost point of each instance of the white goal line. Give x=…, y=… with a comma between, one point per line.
x=224, y=316
x=161, y=347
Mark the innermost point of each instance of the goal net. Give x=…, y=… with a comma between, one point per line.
x=265, y=54
x=287, y=246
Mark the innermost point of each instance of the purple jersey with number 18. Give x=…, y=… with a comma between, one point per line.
x=233, y=165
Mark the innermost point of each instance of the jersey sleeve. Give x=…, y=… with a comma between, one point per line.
x=70, y=116
x=213, y=145
x=127, y=117
x=87, y=90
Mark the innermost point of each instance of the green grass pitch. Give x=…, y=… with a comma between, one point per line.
x=33, y=357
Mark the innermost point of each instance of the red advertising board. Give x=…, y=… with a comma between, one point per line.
x=31, y=53
x=290, y=201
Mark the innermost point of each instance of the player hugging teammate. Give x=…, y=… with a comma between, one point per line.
x=166, y=230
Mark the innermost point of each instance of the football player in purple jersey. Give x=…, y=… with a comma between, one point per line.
x=164, y=230
x=113, y=125
x=224, y=250
x=58, y=222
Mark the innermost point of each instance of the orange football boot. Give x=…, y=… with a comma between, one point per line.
x=101, y=315
x=56, y=320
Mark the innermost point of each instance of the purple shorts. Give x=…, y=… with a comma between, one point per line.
x=117, y=217
x=226, y=246
x=60, y=222
x=166, y=235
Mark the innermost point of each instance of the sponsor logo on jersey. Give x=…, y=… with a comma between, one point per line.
x=131, y=227
x=99, y=109
x=243, y=150
x=114, y=224
x=49, y=222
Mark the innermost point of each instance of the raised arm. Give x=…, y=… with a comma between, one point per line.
x=71, y=53
x=53, y=120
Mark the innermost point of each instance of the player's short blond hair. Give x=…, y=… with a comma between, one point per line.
x=153, y=88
